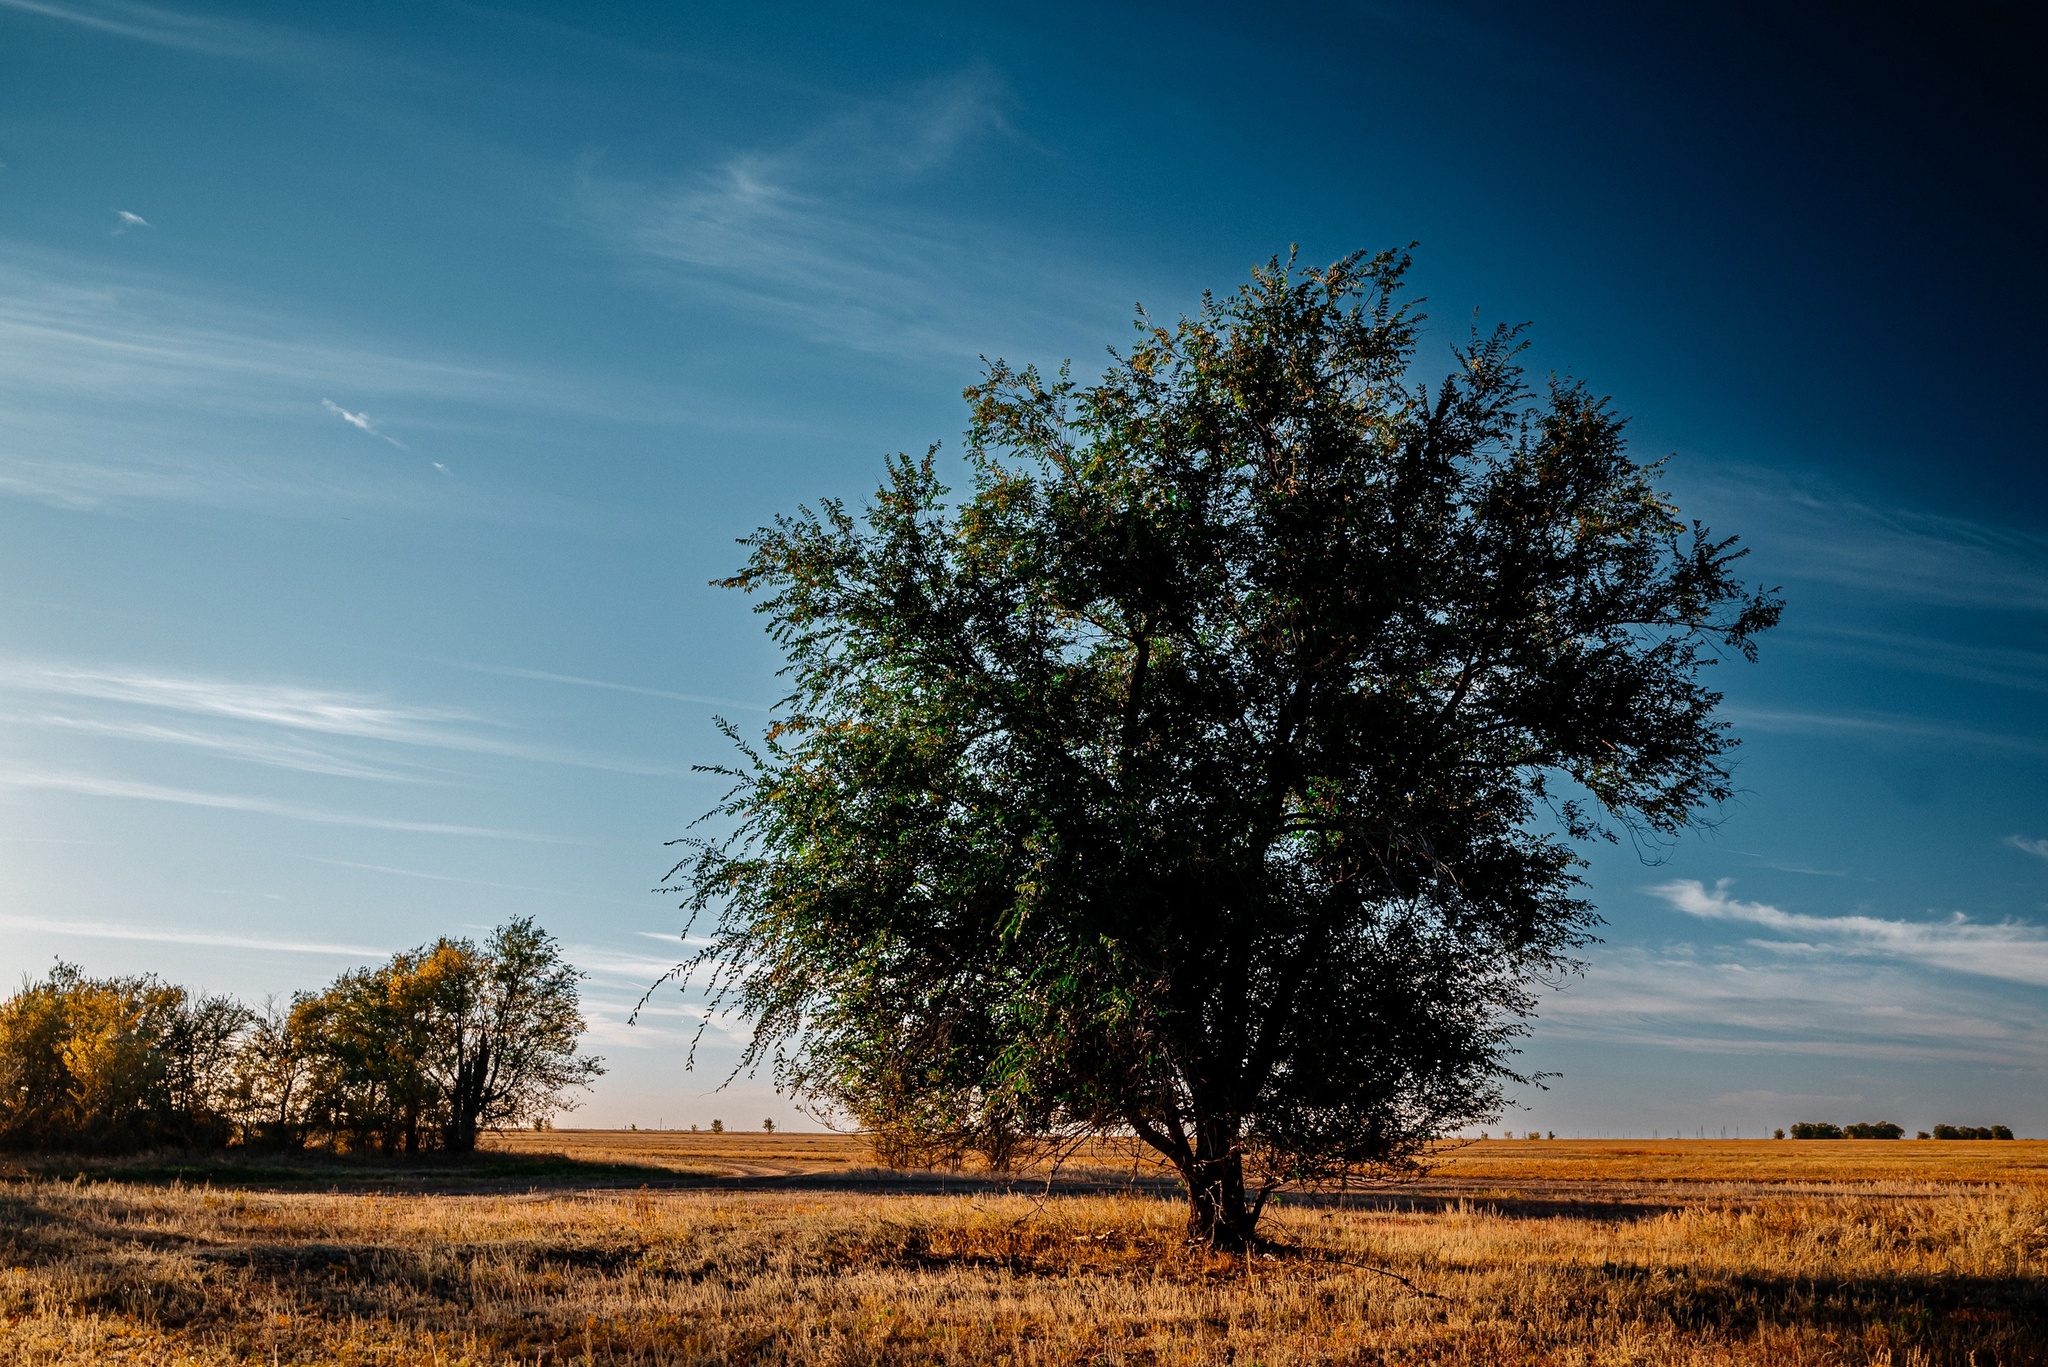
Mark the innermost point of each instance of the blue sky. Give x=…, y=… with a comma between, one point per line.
x=380, y=386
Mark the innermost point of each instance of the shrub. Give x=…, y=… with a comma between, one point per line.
x=1816, y=1129
x=116, y=1064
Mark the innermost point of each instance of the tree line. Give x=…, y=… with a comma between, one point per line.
x=1885, y=1129
x=422, y=1052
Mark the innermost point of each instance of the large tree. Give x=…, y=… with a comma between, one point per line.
x=444, y=1041
x=1214, y=771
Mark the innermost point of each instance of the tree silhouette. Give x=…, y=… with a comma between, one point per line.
x=1213, y=771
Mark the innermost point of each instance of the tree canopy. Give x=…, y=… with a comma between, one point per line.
x=443, y=1041
x=1214, y=770
x=111, y=1064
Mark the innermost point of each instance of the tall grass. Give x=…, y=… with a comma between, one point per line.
x=113, y=1272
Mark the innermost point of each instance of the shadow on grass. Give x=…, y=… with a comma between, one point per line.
x=496, y=1170
x=310, y=1170
x=502, y=1171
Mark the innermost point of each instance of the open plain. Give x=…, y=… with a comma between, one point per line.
x=645, y=1248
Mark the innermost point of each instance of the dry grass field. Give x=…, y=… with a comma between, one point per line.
x=662, y=1248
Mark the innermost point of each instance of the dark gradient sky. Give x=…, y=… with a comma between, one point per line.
x=357, y=503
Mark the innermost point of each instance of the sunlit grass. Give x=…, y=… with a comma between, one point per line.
x=1818, y=1266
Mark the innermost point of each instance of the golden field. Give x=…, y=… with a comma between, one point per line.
x=643, y=1248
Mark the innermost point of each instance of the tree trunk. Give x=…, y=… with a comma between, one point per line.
x=1218, y=1214
x=466, y=1102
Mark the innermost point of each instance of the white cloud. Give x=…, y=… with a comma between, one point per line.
x=115, y=383
x=361, y=422
x=159, y=27
x=285, y=705
x=100, y=930
x=543, y=676
x=2037, y=848
x=2013, y=951
x=828, y=234
x=281, y=754
x=1912, y=730
x=291, y=707
x=2000, y=666
x=670, y=937
x=1818, y=532
x=129, y=220
x=1683, y=998
x=94, y=786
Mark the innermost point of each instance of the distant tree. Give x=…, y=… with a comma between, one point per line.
x=1780, y=1134
x=116, y=1064
x=367, y=1037
x=1883, y=1129
x=444, y=1041
x=269, y=1081
x=718, y=1127
x=1813, y=1129
x=1972, y=1132
x=510, y=1024
x=1212, y=773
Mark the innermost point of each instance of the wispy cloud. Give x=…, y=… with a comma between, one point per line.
x=835, y=234
x=2012, y=951
x=360, y=421
x=1914, y=730
x=2000, y=666
x=543, y=676
x=272, y=704
x=115, y=383
x=182, y=30
x=277, y=753
x=1696, y=1000
x=293, y=707
x=101, y=930
x=128, y=220
x=2037, y=848
x=1810, y=530
x=94, y=786
x=478, y=882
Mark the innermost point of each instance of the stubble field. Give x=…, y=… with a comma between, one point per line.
x=643, y=1248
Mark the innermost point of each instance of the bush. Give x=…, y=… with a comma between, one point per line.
x=1815, y=1129
x=109, y=1065
x=1972, y=1132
